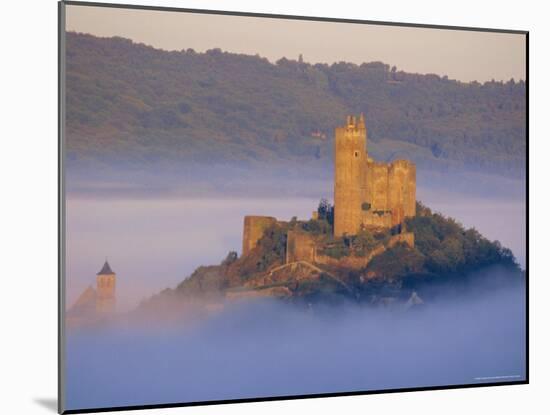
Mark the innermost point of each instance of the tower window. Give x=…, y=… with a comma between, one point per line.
x=356, y=154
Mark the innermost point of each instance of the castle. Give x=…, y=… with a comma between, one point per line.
x=95, y=303
x=367, y=195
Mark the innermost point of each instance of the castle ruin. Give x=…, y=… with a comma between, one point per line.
x=368, y=194
x=254, y=228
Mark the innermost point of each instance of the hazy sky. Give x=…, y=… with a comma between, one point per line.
x=463, y=55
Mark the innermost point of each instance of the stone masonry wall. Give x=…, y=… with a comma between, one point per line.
x=254, y=227
x=401, y=190
x=350, y=157
x=300, y=246
x=357, y=262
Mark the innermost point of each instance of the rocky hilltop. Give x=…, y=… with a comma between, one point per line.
x=371, y=267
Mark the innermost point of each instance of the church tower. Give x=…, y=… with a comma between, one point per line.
x=350, y=164
x=106, y=285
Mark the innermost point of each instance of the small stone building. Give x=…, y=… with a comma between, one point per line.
x=95, y=303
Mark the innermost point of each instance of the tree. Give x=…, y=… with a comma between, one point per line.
x=231, y=257
x=325, y=211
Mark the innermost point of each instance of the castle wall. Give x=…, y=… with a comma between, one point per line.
x=350, y=262
x=377, y=182
x=389, y=187
x=300, y=246
x=379, y=219
x=392, y=191
x=396, y=189
x=253, y=230
x=401, y=190
x=410, y=192
x=359, y=262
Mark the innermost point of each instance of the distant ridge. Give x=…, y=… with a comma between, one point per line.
x=131, y=104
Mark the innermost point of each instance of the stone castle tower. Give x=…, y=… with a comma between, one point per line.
x=106, y=289
x=350, y=176
x=368, y=193
x=254, y=227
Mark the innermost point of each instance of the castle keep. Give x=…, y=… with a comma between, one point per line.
x=368, y=193
x=254, y=227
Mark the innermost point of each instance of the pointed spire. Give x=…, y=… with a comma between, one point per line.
x=106, y=270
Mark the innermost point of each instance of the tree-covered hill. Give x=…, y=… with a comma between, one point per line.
x=131, y=103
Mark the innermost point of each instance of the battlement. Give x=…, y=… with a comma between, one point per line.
x=401, y=163
x=355, y=123
x=302, y=246
x=354, y=129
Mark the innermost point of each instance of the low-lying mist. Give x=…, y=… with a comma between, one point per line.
x=274, y=348
x=155, y=242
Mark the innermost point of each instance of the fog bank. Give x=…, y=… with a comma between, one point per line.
x=270, y=348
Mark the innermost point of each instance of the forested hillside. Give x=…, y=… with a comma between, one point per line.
x=131, y=104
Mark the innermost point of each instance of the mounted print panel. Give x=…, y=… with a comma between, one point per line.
x=269, y=207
